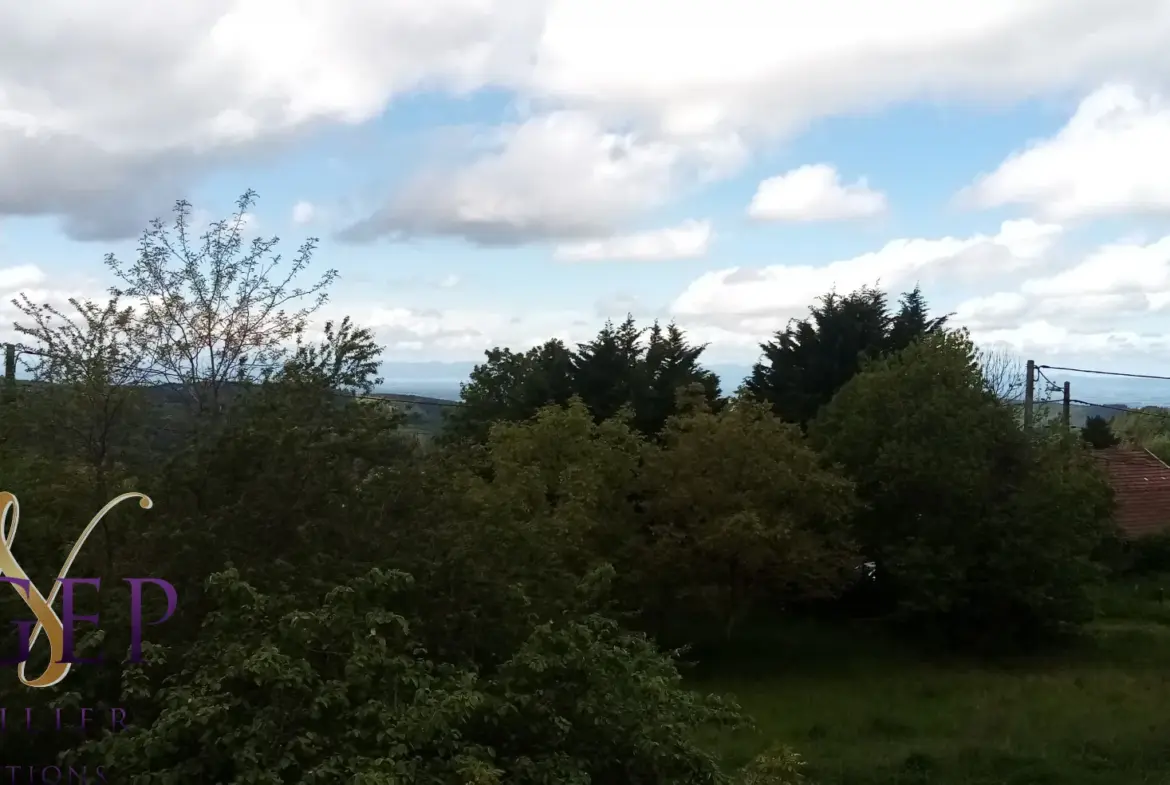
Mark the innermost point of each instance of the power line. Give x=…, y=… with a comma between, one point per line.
x=1104, y=373
x=1053, y=387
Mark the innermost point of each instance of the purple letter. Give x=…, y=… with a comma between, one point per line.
x=136, y=610
x=25, y=627
x=68, y=618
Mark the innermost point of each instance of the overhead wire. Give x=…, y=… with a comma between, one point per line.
x=1163, y=414
x=1104, y=373
x=1052, y=386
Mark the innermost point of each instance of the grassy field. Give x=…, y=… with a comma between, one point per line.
x=864, y=711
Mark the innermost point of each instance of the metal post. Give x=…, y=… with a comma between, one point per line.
x=1064, y=412
x=1029, y=393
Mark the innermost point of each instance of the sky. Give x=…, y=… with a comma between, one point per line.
x=499, y=172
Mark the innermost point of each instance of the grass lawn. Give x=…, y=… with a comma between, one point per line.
x=863, y=710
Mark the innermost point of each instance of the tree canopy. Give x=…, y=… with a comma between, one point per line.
x=807, y=362
x=503, y=606
x=623, y=366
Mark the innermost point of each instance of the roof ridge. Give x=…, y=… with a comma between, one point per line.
x=1156, y=458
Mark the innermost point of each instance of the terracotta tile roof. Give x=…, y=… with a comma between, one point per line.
x=1141, y=485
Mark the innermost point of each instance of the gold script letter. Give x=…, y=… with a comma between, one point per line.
x=41, y=607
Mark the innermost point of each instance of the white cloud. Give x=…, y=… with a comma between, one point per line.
x=303, y=212
x=172, y=91
x=553, y=176
x=464, y=334
x=450, y=281
x=763, y=68
x=1103, y=311
x=814, y=193
x=1055, y=310
x=688, y=240
x=1111, y=287
x=20, y=277
x=1111, y=158
x=32, y=281
x=1131, y=348
x=725, y=80
x=1113, y=269
x=781, y=291
x=995, y=309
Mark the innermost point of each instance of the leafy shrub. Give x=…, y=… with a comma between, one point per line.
x=343, y=693
x=978, y=528
x=737, y=508
x=779, y=765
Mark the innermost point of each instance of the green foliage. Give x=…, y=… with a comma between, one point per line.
x=624, y=366
x=345, y=359
x=974, y=525
x=1160, y=446
x=382, y=612
x=1147, y=428
x=805, y=365
x=1142, y=427
x=736, y=508
x=1098, y=434
x=341, y=691
x=779, y=765
x=215, y=309
x=511, y=387
x=503, y=535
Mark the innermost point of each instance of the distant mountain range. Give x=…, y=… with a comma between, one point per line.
x=441, y=380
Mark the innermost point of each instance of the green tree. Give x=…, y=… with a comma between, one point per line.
x=805, y=364
x=671, y=363
x=345, y=360
x=607, y=371
x=1098, y=434
x=216, y=309
x=377, y=612
x=511, y=386
x=271, y=487
x=340, y=690
x=1148, y=428
x=512, y=528
x=622, y=366
x=974, y=524
x=88, y=372
x=912, y=321
x=736, y=508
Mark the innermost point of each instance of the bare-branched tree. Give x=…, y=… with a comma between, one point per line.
x=88, y=368
x=1004, y=372
x=215, y=309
